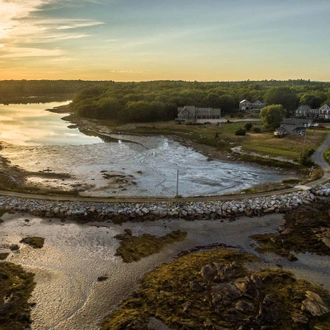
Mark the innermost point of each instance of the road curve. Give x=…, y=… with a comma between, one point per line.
x=317, y=158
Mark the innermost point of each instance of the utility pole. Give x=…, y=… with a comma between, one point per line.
x=177, y=184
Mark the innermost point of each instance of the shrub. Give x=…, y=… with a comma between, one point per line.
x=240, y=131
x=256, y=129
x=248, y=126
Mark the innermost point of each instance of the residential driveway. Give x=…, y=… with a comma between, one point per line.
x=319, y=160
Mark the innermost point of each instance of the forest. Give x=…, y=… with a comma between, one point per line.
x=159, y=100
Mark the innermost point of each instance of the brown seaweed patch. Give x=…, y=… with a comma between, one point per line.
x=35, y=242
x=213, y=290
x=307, y=229
x=133, y=248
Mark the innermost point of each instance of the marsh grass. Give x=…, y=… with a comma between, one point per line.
x=133, y=248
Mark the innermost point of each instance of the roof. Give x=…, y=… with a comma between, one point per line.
x=245, y=101
x=304, y=107
x=296, y=121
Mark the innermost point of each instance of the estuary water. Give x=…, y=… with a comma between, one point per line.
x=126, y=165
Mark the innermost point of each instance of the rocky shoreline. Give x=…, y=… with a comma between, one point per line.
x=118, y=212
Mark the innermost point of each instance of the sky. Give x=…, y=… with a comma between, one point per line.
x=141, y=40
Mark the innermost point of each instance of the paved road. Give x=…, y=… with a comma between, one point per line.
x=318, y=154
x=317, y=158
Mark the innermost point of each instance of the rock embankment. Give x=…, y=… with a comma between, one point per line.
x=121, y=212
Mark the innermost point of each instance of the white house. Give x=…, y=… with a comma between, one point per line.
x=325, y=111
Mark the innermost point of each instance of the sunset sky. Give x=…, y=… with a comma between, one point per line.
x=135, y=40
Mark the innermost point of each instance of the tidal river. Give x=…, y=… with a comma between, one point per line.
x=38, y=140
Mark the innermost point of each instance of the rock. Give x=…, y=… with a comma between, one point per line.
x=244, y=307
x=314, y=304
x=208, y=272
x=195, y=286
x=224, y=293
x=299, y=318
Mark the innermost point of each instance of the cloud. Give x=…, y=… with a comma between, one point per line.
x=127, y=71
x=21, y=25
x=13, y=52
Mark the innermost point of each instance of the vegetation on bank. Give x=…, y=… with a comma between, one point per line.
x=16, y=286
x=306, y=229
x=213, y=290
x=133, y=248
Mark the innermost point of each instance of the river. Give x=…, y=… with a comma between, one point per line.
x=37, y=140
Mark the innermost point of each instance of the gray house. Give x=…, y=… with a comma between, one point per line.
x=306, y=111
x=293, y=126
x=192, y=113
x=246, y=105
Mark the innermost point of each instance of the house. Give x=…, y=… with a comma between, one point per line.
x=325, y=111
x=192, y=113
x=305, y=111
x=302, y=110
x=245, y=105
x=294, y=126
x=257, y=105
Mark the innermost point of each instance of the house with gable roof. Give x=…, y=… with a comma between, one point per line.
x=325, y=111
x=246, y=105
x=192, y=113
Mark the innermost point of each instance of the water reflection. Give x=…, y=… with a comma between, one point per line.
x=30, y=124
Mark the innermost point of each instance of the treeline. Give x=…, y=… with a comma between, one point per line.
x=33, y=91
x=159, y=100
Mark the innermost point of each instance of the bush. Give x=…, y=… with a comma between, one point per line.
x=240, y=131
x=256, y=130
x=248, y=126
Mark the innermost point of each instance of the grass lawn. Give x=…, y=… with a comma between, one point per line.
x=289, y=147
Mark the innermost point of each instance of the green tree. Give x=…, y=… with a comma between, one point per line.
x=227, y=104
x=272, y=115
x=285, y=96
x=314, y=100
